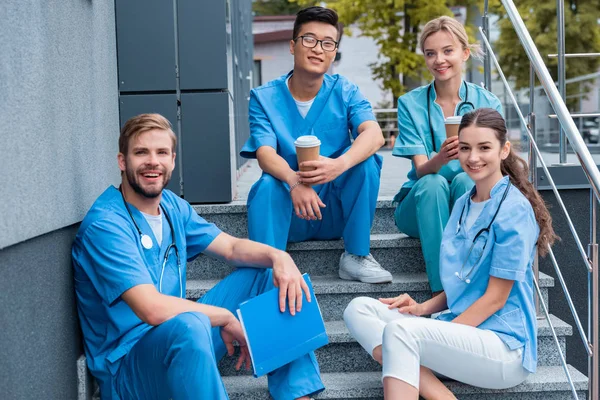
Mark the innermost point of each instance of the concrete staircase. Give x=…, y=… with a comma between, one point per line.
x=347, y=370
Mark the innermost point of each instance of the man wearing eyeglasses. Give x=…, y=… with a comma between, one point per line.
x=338, y=197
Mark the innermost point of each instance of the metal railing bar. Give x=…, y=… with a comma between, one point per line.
x=584, y=338
x=562, y=357
x=385, y=110
x=542, y=162
x=583, y=115
x=562, y=88
x=487, y=62
x=576, y=55
x=553, y=95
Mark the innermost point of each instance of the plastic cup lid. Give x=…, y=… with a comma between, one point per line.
x=307, y=141
x=455, y=119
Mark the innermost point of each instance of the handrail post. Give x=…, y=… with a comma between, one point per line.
x=533, y=173
x=487, y=61
x=560, y=11
x=593, y=304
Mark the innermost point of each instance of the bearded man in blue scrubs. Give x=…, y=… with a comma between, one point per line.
x=142, y=338
x=337, y=198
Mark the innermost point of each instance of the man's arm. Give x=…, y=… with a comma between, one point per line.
x=306, y=202
x=286, y=276
x=154, y=308
x=369, y=140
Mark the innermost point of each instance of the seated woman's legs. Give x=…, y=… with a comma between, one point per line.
x=464, y=353
x=423, y=214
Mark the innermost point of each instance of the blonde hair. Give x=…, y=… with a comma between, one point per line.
x=143, y=123
x=455, y=29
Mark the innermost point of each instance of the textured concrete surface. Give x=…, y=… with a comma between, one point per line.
x=395, y=252
x=367, y=385
x=58, y=111
x=39, y=328
x=344, y=354
x=233, y=218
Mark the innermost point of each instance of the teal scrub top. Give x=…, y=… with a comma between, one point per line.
x=334, y=117
x=414, y=136
x=506, y=252
x=109, y=259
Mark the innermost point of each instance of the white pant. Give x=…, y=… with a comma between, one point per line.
x=464, y=353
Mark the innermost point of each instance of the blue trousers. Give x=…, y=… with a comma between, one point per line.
x=178, y=358
x=424, y=213
x=350, y=201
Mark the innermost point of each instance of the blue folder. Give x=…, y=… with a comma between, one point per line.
x=275, y=338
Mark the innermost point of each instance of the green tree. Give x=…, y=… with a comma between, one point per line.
x=582, y=35
x=275, y=7
x=383, y=20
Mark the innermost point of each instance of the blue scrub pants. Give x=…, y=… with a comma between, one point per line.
x=350, y=202
x=424, y=213
x=178, y=358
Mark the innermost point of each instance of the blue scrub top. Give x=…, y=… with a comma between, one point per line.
x=335, y=115
x=509, y=254
x=414, y=136
x=108, y=259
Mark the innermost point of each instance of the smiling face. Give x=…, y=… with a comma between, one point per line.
x=314, y=60
x=444, y=56
x=149, y=162
x=480, y=153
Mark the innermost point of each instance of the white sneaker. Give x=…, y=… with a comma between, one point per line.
x=362, y=268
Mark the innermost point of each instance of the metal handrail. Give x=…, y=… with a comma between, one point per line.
x=554, y=96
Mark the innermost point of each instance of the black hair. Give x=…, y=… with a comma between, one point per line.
x=316, y=13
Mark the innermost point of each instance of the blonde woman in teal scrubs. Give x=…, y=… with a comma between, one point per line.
x=436, y=179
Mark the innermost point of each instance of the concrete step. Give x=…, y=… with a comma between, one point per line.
x=344, y=354
x=548, y=383
x=334, y=294
x=396, y=252
x=233, y=217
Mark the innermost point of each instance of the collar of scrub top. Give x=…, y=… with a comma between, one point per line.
x=460, y=275
x=459, y=108
x=147, y=244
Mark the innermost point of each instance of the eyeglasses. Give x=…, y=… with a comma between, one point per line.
x=311, y=43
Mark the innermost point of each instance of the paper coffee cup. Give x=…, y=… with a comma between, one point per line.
x=452, y=124
x=307, y=149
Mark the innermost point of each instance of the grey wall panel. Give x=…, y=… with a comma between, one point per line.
x=39, y=331
x=206, y=147
x=58, y=112
x=202, y=47
x=164, y=104
x=146, y=45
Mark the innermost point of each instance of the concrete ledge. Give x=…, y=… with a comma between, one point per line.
x=549, y=383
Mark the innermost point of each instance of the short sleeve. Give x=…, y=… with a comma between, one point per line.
x=261, y=131
x=409, y=142
x=359, y=110
x=515, y=232
x=111, y=258
x=199, y=234
x=497, y=105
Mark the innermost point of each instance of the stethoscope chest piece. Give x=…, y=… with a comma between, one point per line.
x=146, y=242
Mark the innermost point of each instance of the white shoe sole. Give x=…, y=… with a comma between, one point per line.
x=377, y=279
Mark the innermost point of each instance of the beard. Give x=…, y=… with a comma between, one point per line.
x=148, y=192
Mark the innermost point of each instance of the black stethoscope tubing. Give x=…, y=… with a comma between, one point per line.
x=459, y=275
x=173, y=244
x=461, y=105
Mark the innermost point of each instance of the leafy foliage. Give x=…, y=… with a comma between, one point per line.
x=582, y=35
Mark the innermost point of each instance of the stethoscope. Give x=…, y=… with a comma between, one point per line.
x=459, y=275
x=147, y=244
x=460, y=106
